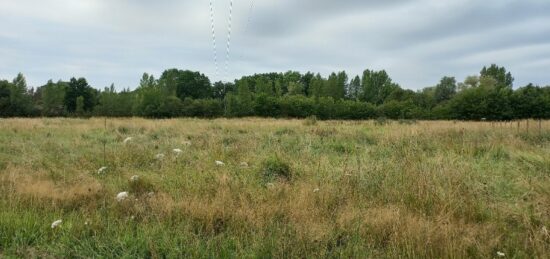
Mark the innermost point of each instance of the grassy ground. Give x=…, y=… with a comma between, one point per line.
x=325, y=189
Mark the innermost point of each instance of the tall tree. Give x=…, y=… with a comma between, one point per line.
x=504, y=79
x=53, y=95
x=147, y=81
x=354, y=88
x=445, y=90
x=245, y=99
x=185, y=84
x=377, y=85
x=76, y=88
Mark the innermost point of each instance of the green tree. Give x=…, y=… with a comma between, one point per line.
x=377, y=86
x=264, y=86
x=245, y=99
x=76, y=88
x=445, y=90
x=354, y=88
x=53, y=96
x=80, y=105
x=503, y=79
x=185, y=83
x=295, y=88
x=529, y=102
x=147, y=81
x=316, y=86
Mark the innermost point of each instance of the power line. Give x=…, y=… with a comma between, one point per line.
x=229, y=24
x=215, y=50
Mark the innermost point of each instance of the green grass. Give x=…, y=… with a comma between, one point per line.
x=322, y=189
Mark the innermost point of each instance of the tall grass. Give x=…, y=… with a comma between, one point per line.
x=323, y=189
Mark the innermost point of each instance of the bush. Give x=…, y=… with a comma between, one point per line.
x=274, y=169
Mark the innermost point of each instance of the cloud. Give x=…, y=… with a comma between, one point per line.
x=416, y=41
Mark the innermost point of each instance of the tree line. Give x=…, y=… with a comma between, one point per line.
x=182, y=93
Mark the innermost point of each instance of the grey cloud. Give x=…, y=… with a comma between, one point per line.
x=416, y=41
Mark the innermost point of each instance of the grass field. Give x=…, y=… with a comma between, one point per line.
x=305, y=189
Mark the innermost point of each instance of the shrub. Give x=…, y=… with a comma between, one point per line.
x=273, y=169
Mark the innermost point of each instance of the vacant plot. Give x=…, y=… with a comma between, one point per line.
x=273, y=188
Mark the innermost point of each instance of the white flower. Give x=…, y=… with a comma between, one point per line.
x=56, y=223
x=316, y=190
x=244, y=164
x=220, y=163
x=102, y=170
x=122, y=196
x=500, y=254
x=187, y=143
x=134, y=178
x=177, y=151
x=128, y=139
x=159, y=156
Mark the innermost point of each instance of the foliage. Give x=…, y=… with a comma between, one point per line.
x=274, y=169
x=184, y=93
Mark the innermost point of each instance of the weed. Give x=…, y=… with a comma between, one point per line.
x=273, y=169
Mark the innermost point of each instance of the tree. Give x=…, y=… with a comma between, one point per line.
x=15, y=99
x=245, y=99
x=295, y=88
x=469, y=82
x=504, y=79
x=80, y=105
x=354, y=89
x=184, y=84
x=377, y=86
x=115, y=104
x=316, y=86
x=264, y=86
x=53, y=95
x=445, y=90
x=528, y=102
x=147, y=81
x=76, y=88
x=221, y=89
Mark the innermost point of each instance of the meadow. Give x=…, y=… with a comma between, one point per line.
x=286, y=188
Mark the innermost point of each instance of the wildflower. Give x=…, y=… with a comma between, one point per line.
x=102, y=170
x=134, y=178
x=159, y=156
x=244, y=164
x=128, y=139
x=56, y=223
x=122, y=196
x=316, y=190
x=220, y=163
x=500, y=254
x=187, y=143
x=177, y=151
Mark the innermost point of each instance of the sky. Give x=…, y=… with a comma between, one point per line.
x=416, y=41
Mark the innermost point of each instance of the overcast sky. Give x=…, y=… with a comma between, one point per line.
x=416, y=41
